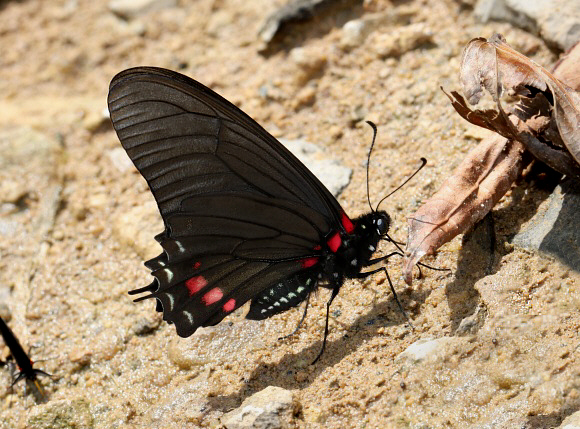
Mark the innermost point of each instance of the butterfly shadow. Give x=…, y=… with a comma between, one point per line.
x=289, y=374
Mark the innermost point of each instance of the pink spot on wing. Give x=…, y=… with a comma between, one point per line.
x=230, y=305
x=308, y=262
x=212, y=296
x=196, y=265
x=346, y=223
x=334, y=242
x=195, y=284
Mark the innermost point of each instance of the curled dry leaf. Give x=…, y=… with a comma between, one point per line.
x=544, y=122
x=477, y=184
x=546, y=118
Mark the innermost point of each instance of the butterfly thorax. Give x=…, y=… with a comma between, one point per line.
x=359, y=246
x=356, y=248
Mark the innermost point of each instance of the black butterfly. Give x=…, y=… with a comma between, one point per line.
x=25, y=364
x=244, y=218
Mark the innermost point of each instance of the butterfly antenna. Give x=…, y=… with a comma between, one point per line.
x=374, y=127
x=423, y=162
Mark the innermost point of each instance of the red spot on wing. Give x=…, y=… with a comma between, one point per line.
x=334, y=242
x=196, y=265
x=308, y=262
x=212, y=296
x=230, y=305
x=195, y=284
x=318, y=247
x=346, y=223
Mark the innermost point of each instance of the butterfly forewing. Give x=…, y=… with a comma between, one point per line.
x=187, y=140
x=242, y=214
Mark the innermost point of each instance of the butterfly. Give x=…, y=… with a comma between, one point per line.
x=244, y=219
x=25, y=364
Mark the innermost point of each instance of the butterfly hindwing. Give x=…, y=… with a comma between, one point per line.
x=283, y=295
x=203, y=293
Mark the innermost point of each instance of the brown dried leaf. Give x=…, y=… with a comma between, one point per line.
x=475, y=186
x=514, y=128
x=490, y=169
x=566, y=69
x=495, y=66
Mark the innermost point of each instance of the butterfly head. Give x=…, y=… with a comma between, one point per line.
x=381, y=222
x=373, y=226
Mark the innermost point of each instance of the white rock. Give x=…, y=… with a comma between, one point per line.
x=427, y=349
x=334, y=175
x=571, y=422
x=270, y=408
x=129, y=9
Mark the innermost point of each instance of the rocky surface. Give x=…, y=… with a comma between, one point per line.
x=494, y=340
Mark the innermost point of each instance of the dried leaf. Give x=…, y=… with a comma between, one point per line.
x=493, y=65
x=560, y=160
x=545, y=122
x=464, y=199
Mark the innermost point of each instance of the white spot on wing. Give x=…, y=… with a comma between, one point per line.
x=169, y=274
x=284, y=300
x=301, y=288
x=353, y=262
x=372, y=248
x=291, y=295
x=189, y=317
x=179, y=246
x=170, y=301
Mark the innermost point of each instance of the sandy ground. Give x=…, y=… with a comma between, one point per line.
x=77, y=221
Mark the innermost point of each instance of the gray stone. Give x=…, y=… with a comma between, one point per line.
x=330, y=172
x=271, y=408
x=554, y=228
x=64, y=414
x=556, y=21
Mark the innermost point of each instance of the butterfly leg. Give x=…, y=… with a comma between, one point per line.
x=401, y=253
x=328, y=304
x=368, y=273
x=299, y=323
x=376, y=260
